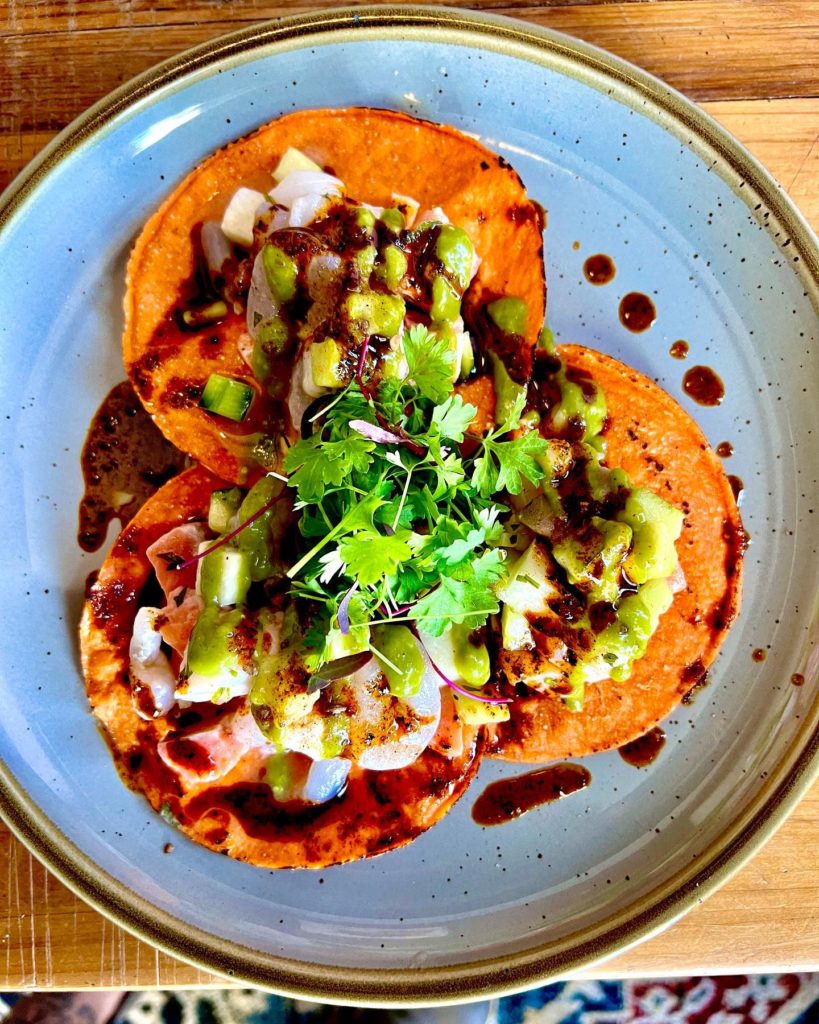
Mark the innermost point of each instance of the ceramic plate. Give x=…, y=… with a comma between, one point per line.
x=625, y=167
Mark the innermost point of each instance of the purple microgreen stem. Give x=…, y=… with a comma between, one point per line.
x=233, y=533
x=460, y=689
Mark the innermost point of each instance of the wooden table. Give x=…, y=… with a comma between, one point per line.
x=752, y=64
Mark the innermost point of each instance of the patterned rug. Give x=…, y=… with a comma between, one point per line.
x=739, y=999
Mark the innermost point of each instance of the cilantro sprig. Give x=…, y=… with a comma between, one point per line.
x=414, y=526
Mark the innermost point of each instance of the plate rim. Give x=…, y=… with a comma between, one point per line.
x=775, y=799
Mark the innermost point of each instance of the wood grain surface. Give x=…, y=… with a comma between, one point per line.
x=754, y=65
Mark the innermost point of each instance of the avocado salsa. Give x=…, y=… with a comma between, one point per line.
x=492, y=543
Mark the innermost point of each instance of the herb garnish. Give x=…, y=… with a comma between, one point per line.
x=403, y=526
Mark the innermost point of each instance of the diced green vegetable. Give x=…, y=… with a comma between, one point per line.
x=272, y=339
x=212, y=650
x=342, y=645
x=226, y=397
x=393, y=219
x=507, y=391
x=378, y=313
x=224, y=576
x=656, y=525
x=509, y=315
x=202, y=316
x=446, y=303
x=325, y=363
x=402, y=662
x=365, y=261
x=454, y=249
x=223, y=507
x=281, y=272
x=255, y=539
x=365, y=218
x=476, y=712
x=393, y=267
x=576, y=405
x=458, y=657
x=594, y=562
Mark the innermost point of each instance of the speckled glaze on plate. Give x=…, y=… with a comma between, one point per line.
x=625, y=167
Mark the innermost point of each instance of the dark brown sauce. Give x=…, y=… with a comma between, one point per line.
x=640, y=753
x=758, y=654
x=637, y=312
x=737, y=486
x=679, y=350
x=510, y=798
x=725, y=449
x=125, y=459
x=703, y=385
x=599, y=269
x=798, y=679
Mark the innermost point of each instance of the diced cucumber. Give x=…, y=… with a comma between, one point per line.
x=224, y=396
x=325, y=364
x=467, y=360
x=529, y=586
x=364, y=260
x=224, y=576
x=593, y=562
x=393, y=219
x=393, y=267
x=476, y=712
x=223, y=507
x=293, y=160
x=458, y=657
x=454, y=249
x=446, y=303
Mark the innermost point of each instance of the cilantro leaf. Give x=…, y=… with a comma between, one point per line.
x=512, y=421
x=314, y=464
x=453, y=417
x=371, y=556
x=485, y=474
x=430, y=362
x=456, y=600
x=517, y=461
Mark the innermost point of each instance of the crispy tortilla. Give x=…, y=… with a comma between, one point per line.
x=660, y=447
x=377, y=812
x=375, y=153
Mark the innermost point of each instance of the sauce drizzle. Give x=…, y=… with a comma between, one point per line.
x=798, y=679
x=637, y=312
x=679, y=350
x=640, y=753
x=507, y=799
x=725, y=449
x=703, y=385
x=738, y=487
x=599, y=269
x=125, y=459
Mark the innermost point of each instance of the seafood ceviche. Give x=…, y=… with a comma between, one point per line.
x=413, y=532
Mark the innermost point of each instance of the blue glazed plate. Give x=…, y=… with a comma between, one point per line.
x=625, y=167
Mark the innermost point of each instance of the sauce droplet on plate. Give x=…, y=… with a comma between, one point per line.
x=679, y=350
x=510, y=798
x=798, y=679
x=725, y=449
x=645, y=749
x=637, y=312
x=738, y=487
x=703, y=385
x=758, y=654
x=599, y=269
x=575, y=246
x=125, y=459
